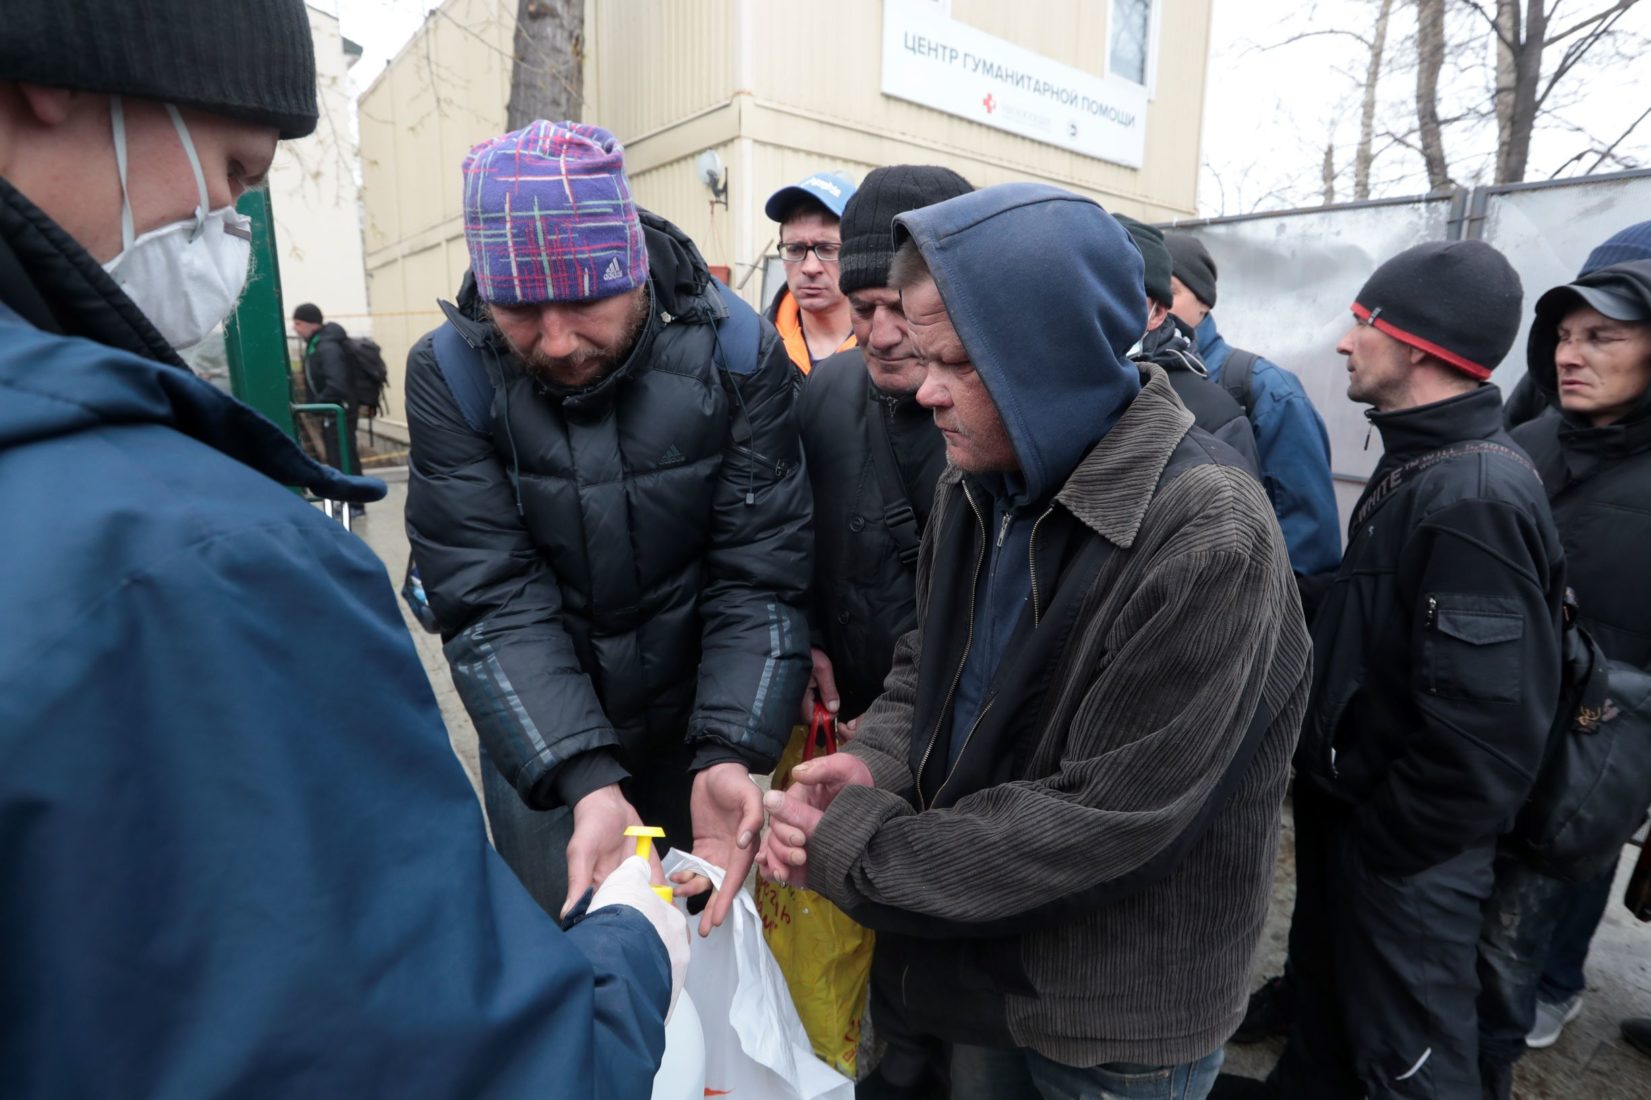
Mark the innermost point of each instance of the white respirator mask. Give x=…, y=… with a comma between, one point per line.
x=185, y=277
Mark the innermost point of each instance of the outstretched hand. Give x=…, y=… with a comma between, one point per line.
x=727, y=811
x=794, y=815
x=599, y=843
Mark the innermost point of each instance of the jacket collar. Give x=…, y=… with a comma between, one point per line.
x=1112, y=487
x=1476, y=414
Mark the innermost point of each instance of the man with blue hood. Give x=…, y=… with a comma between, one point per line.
x=240, y=858
x=1061, y=815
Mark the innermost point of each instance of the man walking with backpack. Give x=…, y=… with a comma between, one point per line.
x=1435, y=680
x=330, y=379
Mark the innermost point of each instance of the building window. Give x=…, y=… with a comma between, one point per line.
x=1131, y=34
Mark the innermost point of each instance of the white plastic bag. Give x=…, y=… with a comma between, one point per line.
x=755, y=1044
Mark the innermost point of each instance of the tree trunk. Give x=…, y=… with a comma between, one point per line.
x=1329, y=172
x=1513, y=143
x=1367, y=119
x=547, y=78
x=1430, y=59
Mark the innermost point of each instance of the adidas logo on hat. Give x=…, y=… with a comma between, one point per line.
x=613, y=271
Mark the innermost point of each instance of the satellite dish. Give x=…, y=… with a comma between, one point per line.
x=709, y=167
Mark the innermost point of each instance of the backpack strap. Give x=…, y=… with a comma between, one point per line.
x=466, y=375
x=739, y=334
x=1235, y=379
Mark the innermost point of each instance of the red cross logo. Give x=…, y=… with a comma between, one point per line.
x=989, y=103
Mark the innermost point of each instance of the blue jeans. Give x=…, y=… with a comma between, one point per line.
x=991, y=1073
x=1567, y=950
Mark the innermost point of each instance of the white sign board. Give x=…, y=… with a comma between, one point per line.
x=953, y=67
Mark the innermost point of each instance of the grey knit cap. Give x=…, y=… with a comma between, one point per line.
x=252, y=60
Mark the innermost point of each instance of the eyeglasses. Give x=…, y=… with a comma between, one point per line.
x=795, y=252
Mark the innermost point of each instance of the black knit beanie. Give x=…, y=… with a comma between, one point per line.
x=1193, y=265
x=868, y=219
x=1150, y=240
x=1459, y=301
x=309, y=313
x=251, y=60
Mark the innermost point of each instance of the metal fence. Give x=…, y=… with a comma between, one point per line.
x=1288, y=278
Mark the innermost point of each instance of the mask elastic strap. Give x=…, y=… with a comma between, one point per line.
x=117, y=123
x=195, y=165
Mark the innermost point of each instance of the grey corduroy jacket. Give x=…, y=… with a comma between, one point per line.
x=1100, y=897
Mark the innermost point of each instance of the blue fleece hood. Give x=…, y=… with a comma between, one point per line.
x=1044, y=289
x=54, y=385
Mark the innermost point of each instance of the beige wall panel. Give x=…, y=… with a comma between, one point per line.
x=674, y=192
x=652, y=63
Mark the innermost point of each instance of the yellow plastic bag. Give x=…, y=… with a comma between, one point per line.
x=825, y=956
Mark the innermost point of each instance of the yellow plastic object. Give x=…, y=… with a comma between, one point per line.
x=824, y=955
x=645, y=836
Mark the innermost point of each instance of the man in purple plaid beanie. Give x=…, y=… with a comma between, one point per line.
x=609, y=513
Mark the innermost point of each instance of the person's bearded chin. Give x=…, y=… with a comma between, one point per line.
x=587, y=366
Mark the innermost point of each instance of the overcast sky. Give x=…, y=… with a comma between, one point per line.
x=1272, y=107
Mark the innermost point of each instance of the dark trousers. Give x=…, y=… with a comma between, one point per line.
x=534, y=843
x=1536, y=936
x=1573, y=933
x=1384, y=968
x=329, y=438
x=1524, y=909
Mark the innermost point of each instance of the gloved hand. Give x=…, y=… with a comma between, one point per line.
x=631, y=884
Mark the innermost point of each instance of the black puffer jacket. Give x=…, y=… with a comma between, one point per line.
x=327, y=366
x=1599, y=486
x=865, y=597
x=643, y=582
x=1436, y=656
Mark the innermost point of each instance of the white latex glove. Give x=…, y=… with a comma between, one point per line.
x=631, y=884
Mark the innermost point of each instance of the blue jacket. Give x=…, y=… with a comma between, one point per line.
x=1050, y=344
x=1295, y=456
x=237, y=855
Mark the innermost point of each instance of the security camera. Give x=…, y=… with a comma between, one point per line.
x=713, y=175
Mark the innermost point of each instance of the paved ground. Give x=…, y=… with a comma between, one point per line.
x=1590, y=1061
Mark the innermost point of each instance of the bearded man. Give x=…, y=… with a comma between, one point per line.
x=616, y=545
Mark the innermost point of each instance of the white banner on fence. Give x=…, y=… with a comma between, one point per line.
x=953, y=67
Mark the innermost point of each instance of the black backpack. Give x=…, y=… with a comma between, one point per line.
x=368, y=375
x=1595, y=783
x=1235, y=379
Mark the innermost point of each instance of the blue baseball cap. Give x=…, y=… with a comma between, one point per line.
x=831, y=190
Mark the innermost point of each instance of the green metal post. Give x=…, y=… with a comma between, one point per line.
x=255, y=336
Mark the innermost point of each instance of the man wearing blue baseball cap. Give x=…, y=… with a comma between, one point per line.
x=811, y=313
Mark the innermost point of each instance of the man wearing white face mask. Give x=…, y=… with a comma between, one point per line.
x=239, y=857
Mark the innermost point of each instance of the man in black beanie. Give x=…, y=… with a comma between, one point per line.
x=1435, y=680
x=240, y=856
x=1289, y=433
x=874, y=456
x=1168, y=343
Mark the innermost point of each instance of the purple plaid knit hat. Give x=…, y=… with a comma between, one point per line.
x=548, y=216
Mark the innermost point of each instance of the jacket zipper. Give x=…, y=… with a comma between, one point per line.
x=968, y=641
x=1003, y=528
x=1032, y=554
x=1032, y=562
